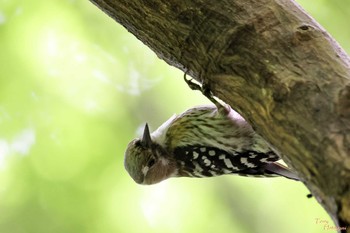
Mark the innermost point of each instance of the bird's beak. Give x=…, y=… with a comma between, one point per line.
x=146, y=138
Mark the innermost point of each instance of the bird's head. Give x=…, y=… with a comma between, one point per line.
x=147, y=162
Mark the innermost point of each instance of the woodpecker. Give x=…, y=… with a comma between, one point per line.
x=204, y=141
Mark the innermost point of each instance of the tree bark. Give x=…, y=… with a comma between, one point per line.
x=273, y=64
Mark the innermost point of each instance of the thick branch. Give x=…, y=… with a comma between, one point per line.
x=272, y=63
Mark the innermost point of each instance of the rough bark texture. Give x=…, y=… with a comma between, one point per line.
x=273, y=64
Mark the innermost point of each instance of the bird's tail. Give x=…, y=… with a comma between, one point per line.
x=281, y=170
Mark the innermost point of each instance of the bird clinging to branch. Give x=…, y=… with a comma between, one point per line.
x=203, y=141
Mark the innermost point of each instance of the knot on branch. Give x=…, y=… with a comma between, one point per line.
x=304, y=32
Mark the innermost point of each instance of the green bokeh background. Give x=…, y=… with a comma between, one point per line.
x=75, y=88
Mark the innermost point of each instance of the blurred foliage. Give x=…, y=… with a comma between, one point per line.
x=75, y=88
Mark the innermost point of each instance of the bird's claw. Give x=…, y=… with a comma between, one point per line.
x=194, y=86
x=204, y=88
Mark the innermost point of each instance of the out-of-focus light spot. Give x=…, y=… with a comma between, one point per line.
x=126, y=49
x=156, y=199
x=51, y=43
x=4, y=150
x=19, y=11
x=79, y=57
x=90, y=105
x=134, y=82
x=153, y=203
x=99, y=75
x=2, y=18
x=21, y=144
x=69, y=69
x=23, y=141
x=56, y=138
x=34, y=96
x=4, y=115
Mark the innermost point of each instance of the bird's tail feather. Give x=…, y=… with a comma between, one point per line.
x=281, y=170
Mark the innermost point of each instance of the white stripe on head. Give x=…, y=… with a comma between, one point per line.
x=145, y=170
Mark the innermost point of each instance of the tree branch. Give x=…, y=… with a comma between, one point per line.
x=273, y=64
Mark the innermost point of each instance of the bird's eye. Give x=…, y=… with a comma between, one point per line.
x=151, y=162
x=138, y=143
